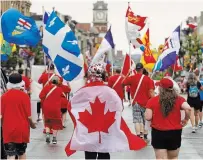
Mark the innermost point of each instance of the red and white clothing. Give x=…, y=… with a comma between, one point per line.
x=45, y=77
x=96, y=112
x=143, y=93
x=27, y=83
x=66, y=89
x=127, y=88
x=172, y=121
x=115, y=82
x=51, y=98
x=15, y=110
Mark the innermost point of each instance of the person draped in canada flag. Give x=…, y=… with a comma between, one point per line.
x=96, y=111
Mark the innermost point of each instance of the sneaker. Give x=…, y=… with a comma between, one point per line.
x=48, y=138
x=200, y=125
x=193, y=129
x=54, y=141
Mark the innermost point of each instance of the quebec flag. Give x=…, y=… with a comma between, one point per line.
x=170, y=52
x=106, y=45
x=61, y=44
x=19, y=29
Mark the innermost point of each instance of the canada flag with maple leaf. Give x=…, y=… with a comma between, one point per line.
x=96, y=111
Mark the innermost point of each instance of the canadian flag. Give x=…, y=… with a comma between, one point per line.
x=126, y=65
x=96, y=111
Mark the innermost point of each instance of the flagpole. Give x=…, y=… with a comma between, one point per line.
x=43, y=11
x=112, y=60
x=130, y=56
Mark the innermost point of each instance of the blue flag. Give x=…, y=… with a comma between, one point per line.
x=170, y=52
x=60, y=43
x=106, y=45
x=19, y=29
x=45, y=18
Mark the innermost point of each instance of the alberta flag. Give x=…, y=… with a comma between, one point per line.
x=19, y=29
x=106, y=45
x=170, y=52
x=61, y=44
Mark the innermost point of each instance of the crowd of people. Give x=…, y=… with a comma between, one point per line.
x=162, y=110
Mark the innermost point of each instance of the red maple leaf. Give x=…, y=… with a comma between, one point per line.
x=97, y=121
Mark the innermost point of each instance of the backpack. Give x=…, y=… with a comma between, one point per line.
x=193, y=91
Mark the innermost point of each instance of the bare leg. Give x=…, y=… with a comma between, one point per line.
x=192, y=118
x=54, y=141
x=142, y=128
x=137, y=128
x=63, y=119
x=200, y=116
x=173, y=154
x=161, y=153
x=22, y=156
x=196, y=117
x=55, y=133
x=47, y=130
x=10, y=157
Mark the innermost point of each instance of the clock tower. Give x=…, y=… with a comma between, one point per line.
x=100, y=17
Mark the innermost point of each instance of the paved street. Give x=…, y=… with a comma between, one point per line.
x=192, y=144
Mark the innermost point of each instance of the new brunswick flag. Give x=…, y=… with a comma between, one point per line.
x=147, y=59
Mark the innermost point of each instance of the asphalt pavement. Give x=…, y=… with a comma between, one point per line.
x=192, y=143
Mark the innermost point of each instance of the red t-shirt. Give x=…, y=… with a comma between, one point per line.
x=143, y=93
x=66, y=90
x=16, y=108
x=51, y=104
x=118, y=87
x=45, y=77
x=127, y=88
x=27, y=82
x=172, y=121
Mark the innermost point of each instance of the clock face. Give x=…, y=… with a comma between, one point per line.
x=100, y=15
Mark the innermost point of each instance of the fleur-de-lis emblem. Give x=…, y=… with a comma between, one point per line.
x=52, y=22
x=74, y=42
x=66, y=70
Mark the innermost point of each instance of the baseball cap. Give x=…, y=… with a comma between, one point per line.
x=165, y=83
x=139, y=66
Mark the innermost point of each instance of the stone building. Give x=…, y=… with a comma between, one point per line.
x=22, y=6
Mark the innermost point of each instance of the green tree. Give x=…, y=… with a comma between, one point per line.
x=192, y=47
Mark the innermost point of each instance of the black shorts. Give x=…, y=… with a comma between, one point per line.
x=13, y=149
x=170, y=140
x=63, y=110
x=38, y=107
x=194, y=103
x=201, y=106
